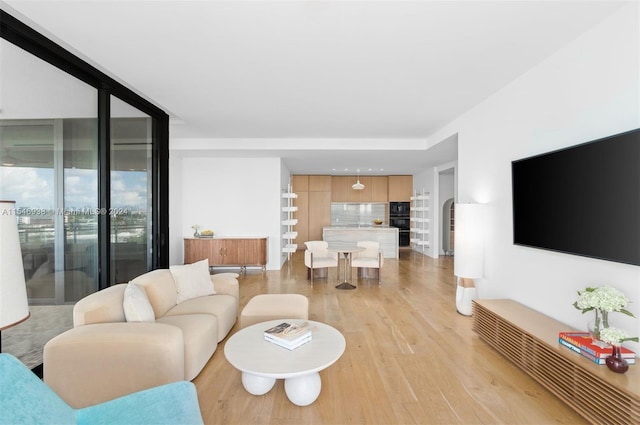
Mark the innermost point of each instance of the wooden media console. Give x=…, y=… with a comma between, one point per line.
x=530, y=340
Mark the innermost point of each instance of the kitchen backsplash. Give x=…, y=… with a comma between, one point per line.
x=349, y=214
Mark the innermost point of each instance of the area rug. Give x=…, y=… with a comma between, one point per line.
x=27, y=339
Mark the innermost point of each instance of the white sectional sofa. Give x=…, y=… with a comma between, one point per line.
x=105, y=356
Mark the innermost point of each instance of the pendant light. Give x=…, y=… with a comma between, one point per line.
x=357, y=185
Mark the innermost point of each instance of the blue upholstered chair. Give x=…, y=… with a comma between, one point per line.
x=27, y=400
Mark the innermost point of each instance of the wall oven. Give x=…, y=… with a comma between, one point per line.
x=399, y=216
x=402, y=223
x=399, y=209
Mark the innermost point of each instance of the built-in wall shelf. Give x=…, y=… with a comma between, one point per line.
x=419, y=221
x=290, y=248
x=529, y=339
x=288, y=234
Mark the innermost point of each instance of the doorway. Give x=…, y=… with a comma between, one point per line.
x=448, y=226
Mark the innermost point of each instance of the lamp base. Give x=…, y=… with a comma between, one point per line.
x=466, y=292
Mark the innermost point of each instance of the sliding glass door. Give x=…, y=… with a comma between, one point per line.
x=48, y=160
x=86, y=161
x=131, y=177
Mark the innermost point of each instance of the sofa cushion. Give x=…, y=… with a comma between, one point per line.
x=224, y=307
x=200, y=334
x=94, y=363
x=160, y=289
x=104, y=306
x=192, y=280
x=137, y=307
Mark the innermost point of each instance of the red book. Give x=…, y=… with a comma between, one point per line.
x=585, y=343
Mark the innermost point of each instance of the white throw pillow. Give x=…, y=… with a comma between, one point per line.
x=137, y=307
x=192, y=280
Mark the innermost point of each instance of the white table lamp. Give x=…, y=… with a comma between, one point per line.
x=14, y=305
x=468, y=257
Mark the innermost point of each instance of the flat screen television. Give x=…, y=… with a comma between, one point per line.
x=582, y=200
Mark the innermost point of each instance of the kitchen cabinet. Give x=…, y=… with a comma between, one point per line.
x=317, y=192
x=319, y=214
x=241, y=252
x=379, y=189
x=400, y=188
x=319, y=184
x=341, y=188
x=300, y=183
x=375, y=189
x=313, y=206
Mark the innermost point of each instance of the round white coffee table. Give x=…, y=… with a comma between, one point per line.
x=262, y=362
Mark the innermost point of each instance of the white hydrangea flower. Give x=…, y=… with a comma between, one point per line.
x=613, y=335
x=587, y=299
x=610, y=299
x=603, y=298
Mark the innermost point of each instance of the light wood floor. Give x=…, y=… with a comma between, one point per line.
x=410, y=358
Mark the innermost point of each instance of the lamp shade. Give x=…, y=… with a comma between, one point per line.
x=468, y=257
x=14, y=305
x=357, y=185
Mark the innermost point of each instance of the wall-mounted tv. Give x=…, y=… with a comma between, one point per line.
x=582, y=200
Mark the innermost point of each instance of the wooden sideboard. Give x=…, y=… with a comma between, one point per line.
x=530, y=340
x=220, y=252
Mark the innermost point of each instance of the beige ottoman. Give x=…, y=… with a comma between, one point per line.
x=264, y=307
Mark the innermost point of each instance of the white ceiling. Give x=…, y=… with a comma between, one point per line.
x=323, y=84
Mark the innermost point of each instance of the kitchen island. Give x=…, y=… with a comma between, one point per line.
x=387, y=236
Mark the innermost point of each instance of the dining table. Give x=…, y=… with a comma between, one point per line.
x=346, y=249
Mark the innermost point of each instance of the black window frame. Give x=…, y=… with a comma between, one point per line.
x=30, y=40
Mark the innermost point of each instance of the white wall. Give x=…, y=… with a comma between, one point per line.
x=231, y=196
x=587, y=90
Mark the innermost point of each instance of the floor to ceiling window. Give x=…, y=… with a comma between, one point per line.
x=86, y=160
x=48, y=160
x=131, y=207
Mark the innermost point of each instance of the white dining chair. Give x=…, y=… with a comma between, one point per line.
x=368, y=262
x=318, y=259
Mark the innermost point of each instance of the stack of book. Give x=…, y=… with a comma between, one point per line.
x=288, y=335
x=583, y=344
